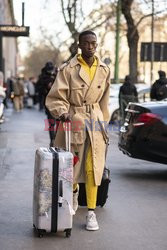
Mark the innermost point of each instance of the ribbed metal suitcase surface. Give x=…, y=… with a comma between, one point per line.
x=53, y=191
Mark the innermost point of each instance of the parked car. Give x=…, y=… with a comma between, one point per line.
x=114, y=102
x=144, y=133
x=143, y=95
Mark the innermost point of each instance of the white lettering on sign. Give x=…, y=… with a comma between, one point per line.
x=12, y=28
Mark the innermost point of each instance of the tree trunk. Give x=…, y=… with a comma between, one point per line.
x=133, y=48
x=132, y=37
x=74, y=46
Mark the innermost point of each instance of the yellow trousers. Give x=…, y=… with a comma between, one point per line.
x=91, y=188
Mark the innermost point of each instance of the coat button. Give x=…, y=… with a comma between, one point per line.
x=82, y=85
x=99, y=87
x=84, y=101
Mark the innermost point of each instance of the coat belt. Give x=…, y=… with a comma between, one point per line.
x=86, y=107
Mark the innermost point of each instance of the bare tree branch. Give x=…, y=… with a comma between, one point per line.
x=47, y=38
x=97, y=25
x=143, y=17
x=63, y=11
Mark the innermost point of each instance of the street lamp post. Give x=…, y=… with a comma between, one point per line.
x=116, y=72
x=23, y=4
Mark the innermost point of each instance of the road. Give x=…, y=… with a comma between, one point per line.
x=135, y=215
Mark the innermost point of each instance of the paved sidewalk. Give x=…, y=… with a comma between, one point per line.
x=134, y=217
x=20, y=135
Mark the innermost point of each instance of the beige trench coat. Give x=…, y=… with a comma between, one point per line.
x=87, y=102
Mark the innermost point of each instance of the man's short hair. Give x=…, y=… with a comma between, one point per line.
x=84, y=33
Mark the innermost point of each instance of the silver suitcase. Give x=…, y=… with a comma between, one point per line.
x=53, y=190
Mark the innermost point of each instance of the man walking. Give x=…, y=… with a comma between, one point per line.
x=18, y=89
x=127, y=93
x=80, y=93
x=44, y=84
x=159, y=88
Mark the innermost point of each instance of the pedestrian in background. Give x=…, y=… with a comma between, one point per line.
x=31, y=92
x=127, y=93
x=44, y=84
x=45, y=81
x=80, y=93
x=18, y=91
x=159, y=88
x=9, y=88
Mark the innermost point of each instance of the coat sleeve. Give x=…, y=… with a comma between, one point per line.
x=104, y=102
x=58, y=96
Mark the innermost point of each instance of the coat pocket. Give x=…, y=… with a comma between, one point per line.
x=78, y=132
x=77, y=137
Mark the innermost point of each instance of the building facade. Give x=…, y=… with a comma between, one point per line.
x=9, y=44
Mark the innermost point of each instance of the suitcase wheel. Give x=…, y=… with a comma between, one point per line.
x=40, y=233
x=67, y=232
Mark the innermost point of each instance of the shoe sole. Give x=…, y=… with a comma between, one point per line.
x=92, y=229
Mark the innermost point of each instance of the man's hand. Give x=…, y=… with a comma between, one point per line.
x=65, y=117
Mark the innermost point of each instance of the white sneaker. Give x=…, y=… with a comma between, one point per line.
x=75, y=200
x=91, y=221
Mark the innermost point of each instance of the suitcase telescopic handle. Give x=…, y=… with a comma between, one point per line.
x=60, y=193
x=67, y=128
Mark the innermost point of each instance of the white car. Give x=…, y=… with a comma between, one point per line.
x=143, y=95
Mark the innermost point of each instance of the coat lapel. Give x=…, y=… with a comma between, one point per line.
x=98, y=75
x=84, y=76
